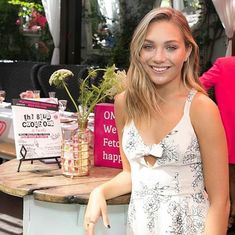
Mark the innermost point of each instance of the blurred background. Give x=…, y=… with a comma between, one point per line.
x=95, y=32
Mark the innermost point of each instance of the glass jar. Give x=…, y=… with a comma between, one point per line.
x=75, y=152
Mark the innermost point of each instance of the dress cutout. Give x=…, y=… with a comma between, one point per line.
x=168, y=197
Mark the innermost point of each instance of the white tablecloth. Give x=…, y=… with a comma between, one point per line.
x=6, y=125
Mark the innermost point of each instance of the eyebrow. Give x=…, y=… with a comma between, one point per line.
x=166, y=42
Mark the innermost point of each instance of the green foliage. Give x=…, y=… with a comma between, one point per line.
x=11, y=39
x=14, y=44
x=119, y=54
x=206, y=32
x=26, y=6
x=194, y=4
x=95, y=15
x=129, y=21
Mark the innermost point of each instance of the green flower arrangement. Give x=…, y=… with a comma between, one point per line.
x=113, y=82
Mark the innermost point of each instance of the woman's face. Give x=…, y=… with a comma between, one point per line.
x=164, y=52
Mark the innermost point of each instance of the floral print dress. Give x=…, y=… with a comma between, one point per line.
x=168, y=197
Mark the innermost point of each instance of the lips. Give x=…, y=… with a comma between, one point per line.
x=3, y=126
x=160, y=69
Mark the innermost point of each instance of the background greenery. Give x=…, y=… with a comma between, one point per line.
x=17, y=46
x=206, y=33
x=38, y=47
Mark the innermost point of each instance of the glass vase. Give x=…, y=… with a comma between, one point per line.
x=75, y=152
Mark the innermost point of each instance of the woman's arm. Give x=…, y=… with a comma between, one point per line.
x=210, y=132
x=119, y=185
x=211, y=77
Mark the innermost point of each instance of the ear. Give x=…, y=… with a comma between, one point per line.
x=188, y=52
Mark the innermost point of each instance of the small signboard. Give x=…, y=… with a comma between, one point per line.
x=106, y=143
x=37, y=129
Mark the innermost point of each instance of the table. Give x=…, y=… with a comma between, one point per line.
x=54, y=204
x=7, y=151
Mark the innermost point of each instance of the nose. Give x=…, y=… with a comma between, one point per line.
x=159, y=55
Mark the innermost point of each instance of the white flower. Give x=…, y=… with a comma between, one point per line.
x=60, y=76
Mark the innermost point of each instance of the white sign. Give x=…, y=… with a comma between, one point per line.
x=37, y=129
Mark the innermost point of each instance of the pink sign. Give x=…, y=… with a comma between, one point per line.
x=106, y=144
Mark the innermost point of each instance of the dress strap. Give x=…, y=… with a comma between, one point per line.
x=189, y=100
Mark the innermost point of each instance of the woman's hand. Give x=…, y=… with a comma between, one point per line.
x=96, y=207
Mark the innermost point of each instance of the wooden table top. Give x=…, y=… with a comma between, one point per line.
x=8, y=149
x=46, y=182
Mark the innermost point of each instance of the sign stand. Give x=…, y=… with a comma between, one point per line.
x=23, y=153
x=37, y=131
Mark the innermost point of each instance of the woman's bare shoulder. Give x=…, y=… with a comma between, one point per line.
x=203, y=110
x=202, y=102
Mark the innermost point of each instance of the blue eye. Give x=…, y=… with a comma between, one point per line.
x=148, y=47
x=171, y=48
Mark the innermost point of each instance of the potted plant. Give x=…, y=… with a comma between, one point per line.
x=75, y=157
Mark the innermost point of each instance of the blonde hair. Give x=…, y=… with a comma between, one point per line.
x=141, y=98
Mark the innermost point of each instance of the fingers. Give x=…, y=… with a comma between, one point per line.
x=90, y=227
x=91, y=217
x=104, y=213
x=96, y=207
x=89, y=223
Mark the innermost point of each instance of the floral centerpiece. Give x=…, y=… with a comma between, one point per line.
x=75, y=153
x=113, y=82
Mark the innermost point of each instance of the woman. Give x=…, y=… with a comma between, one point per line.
x=172, y=142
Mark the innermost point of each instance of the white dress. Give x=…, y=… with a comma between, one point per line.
x=168, y=197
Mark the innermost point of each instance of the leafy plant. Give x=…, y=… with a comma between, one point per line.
x=15, y=45
x=26, y=7
x=113, y=82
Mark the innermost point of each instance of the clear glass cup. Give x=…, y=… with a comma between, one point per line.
x=62, y=106
x=2, y=96
x=51, y=94
x=36, y=94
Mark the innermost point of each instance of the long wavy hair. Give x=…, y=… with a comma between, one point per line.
x=141, y=94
